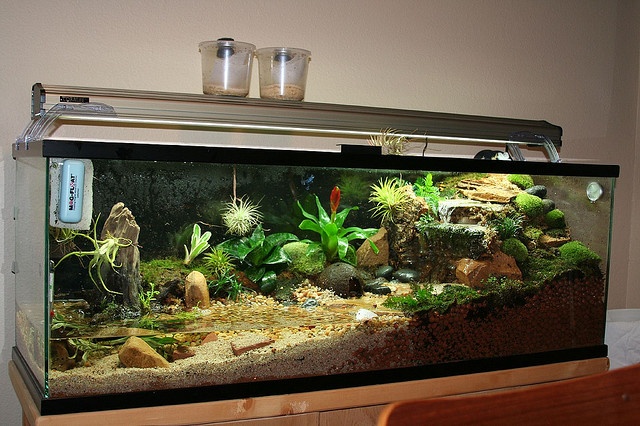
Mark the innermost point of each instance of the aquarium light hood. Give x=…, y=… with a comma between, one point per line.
x=53, y=106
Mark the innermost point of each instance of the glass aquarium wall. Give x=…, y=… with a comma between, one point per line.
x=248, y=272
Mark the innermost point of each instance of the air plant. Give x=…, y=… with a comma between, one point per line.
x=391, y=143
x=334, y=238
x=240, y=216
x=104, y=252
x=199, y=243
x=389, y=198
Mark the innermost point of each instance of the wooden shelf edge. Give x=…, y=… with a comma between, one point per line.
x=308, y=402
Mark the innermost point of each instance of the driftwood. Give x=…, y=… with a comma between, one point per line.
x=126, y=279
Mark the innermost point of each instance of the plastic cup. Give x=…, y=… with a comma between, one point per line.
x=283, y=72
x=226, y=67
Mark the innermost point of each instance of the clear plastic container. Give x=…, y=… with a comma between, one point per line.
x=226, y=67
x=283, y=72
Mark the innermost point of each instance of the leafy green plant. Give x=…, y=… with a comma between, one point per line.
x=258, y=253
x=146, y=297
x=334, y=238
x=425, y=188
x=199, y=243
x=218, y=262
x=389, y=198
x=104, y=252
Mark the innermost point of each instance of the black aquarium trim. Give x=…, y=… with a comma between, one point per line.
x=351, y=158
x=53, y=406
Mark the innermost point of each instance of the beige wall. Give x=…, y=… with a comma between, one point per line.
x=574, y=63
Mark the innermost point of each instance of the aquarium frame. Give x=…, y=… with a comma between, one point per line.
x=358, y=157
x=54, y=105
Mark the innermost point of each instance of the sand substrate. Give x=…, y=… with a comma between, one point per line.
x=566, y=313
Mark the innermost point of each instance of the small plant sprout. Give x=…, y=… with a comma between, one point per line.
x=104, y=252
x=199, y=243
x=147, y=297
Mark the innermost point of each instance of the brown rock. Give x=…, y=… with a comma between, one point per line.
x=474, y=272
x=249, y=341
x=493, y=188
x=196, y=292
x=137, y=353
x=367, y=257
x=211, y=337
x=183, y=352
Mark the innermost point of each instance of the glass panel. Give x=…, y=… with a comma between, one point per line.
x=314, y=271
x=30, y=264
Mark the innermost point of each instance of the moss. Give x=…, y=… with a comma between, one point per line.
x=577, y=253
x=515, y=248
x=529, y=205
x=555, y=219
x=521, y=181
x=424, y=298
x=160, y=271
x=304, y=260
x=532, y=233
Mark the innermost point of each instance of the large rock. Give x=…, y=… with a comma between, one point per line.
x=367, y=257
x=137, y=353
x=196, y=291
x=474, y=272
x=341, y=278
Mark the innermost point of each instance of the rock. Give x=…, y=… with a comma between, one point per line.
x=377, y=286
x=548, y=205
x=137, y=353
x=537, y=190
x=406, y=275
x=549, y=241
x=183, y=352
x=365, y=255
x=60, y=359
x=211, y=337
x=474, y=272
x=365, y=314
x=196, y=291
x=385, y=271
x=125, y=279
x=246, y=342
x=493, y=188
x=341, y=278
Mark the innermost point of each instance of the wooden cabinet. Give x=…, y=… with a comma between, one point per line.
x=351, y=406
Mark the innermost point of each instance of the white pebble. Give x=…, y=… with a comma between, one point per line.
x=365, y=314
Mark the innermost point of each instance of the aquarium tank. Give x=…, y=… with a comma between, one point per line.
x=142, y=268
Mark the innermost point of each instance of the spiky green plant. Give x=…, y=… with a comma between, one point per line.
x=389, y=198
x=218, y=262
x=104, y=252
x=240, y=216
x=508, y=226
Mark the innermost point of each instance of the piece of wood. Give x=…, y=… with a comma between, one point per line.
x=611, y=398
x=308, y=402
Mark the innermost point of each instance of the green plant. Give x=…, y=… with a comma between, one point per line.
x=199, y=243
x=146, y=297
x=257, y=252
x=425, y=188
x=218, y=262
x=240, y=216
x=508, y=226
x=334, y=238
x=226, y=283
x=104, y=252
x=389, y=198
